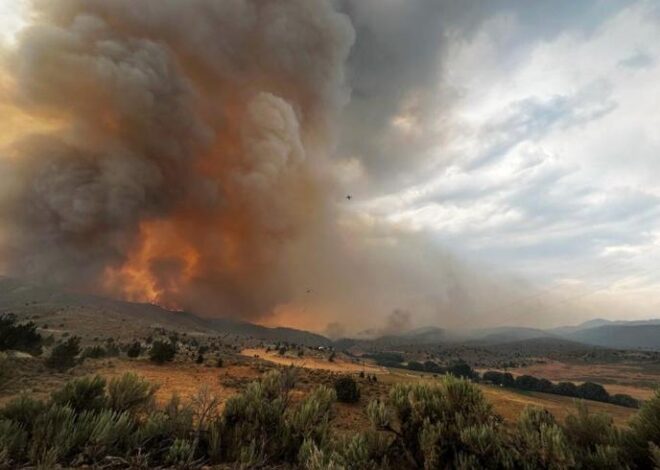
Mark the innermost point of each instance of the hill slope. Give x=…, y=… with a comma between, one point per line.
x=89, y=315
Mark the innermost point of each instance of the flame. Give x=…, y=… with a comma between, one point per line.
x=160, y=246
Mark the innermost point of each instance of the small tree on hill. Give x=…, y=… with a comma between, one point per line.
x=162, y=352
x=63, y=356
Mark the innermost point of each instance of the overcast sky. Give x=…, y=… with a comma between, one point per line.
x=523, y=135
x=526, y=137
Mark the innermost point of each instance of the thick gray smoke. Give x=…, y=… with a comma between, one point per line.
x=186, y=160
x=189, y=145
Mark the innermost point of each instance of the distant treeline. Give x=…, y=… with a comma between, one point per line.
x=586, y=390
x=393, y=359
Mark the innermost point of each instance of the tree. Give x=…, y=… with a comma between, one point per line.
x=461, y=369
x=593, y=391
x=623, y=399
x=347, y=390
x=63, y=356
x=19, y=336
x=527, y=382
x=162, y=352
x=200, y=359
x=568, y=389
x=504, y=379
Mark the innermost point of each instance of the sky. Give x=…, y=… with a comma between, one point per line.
x=522, y=137
x=537, y=143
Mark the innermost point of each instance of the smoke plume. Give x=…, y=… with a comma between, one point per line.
x=181, y=153
x=188, y=149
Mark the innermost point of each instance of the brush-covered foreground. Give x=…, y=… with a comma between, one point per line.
x=449, y=424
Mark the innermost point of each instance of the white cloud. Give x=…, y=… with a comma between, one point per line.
x=554, y=156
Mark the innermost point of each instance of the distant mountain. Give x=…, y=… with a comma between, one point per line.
x=640, y=334
x=507, y=334
x=98, y=316
x=620, y=336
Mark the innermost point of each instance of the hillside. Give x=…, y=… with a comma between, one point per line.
x=59, y=312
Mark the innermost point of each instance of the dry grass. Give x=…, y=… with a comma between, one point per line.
x=313, y=362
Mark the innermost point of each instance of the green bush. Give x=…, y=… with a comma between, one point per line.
x=347, y=390
x=23, y=410
x=451, y=424
x=162, y=352
x=644, y=430
x=595, y=440
x=83, y=394
x=130, y=393
x=63, y=356
x=445, y=425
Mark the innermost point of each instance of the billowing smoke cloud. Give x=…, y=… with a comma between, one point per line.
x=185, y=158
x=188, y=151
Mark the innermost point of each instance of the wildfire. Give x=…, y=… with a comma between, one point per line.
x=159, y=267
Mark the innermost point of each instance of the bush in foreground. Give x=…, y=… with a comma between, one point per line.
x=442, y=426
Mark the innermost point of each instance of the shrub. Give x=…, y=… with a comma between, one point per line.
x=445, y=426
x=63, y=356
x=130, y=393
x=540, y=442
x=594, y=438
x=162, y=352
x=19, y=336
x=134, y=350
x=219, y=362
x=644, y=429
x=13, y=441
x=347, y=390
x=83, y=394
x=23, y=410
x=200, y=359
